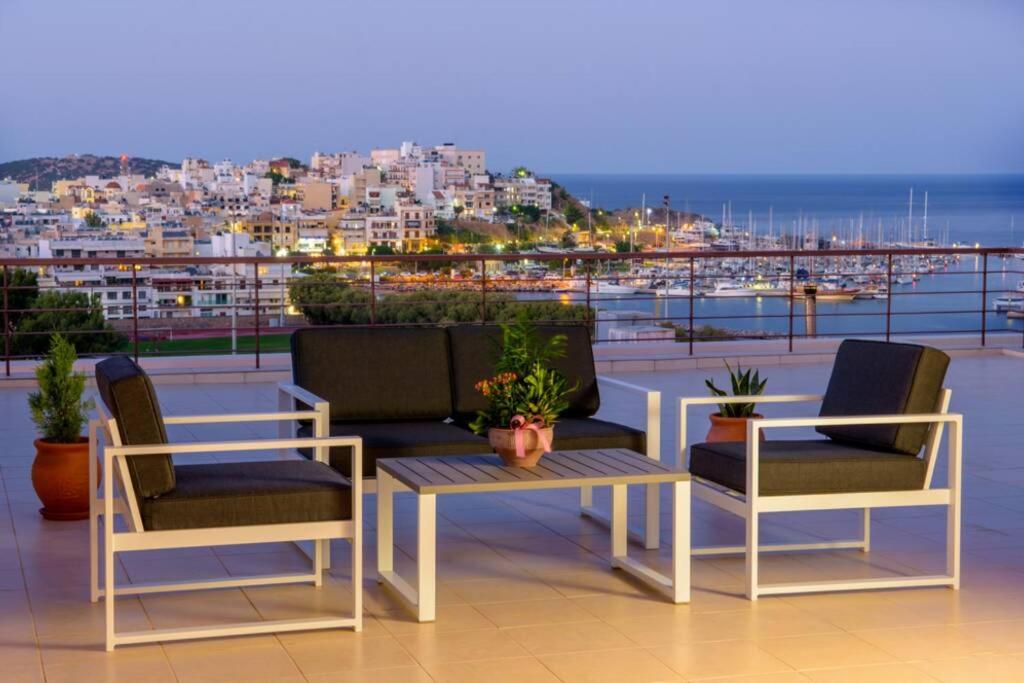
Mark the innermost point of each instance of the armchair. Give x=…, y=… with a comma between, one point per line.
x=167, y=505
x=883, y=415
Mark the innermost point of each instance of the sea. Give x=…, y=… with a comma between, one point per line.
x=987, y=210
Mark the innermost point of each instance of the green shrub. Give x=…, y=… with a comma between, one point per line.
x=57, y=408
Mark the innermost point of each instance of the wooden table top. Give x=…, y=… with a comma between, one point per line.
x=559, y=469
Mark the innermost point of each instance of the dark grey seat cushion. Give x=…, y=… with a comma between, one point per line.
x=474, y=349
x=399, y=440
x=576, y=433
x=379, y=374
x=247, y=493
x=128, y=394
x=883, y=378
x=808, y=467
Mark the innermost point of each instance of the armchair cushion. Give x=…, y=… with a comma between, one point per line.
x=249, y=493
x=883, y=378
x=129, y=396
x=398, y=440
x=381, y=374
x=808, y=467
x=474, y=348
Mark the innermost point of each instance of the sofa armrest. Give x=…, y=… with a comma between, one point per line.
x=240, y=417
x=289, y=396
x=294, y=393
x=652, y=412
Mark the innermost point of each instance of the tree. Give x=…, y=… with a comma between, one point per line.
x=276, y=177
x=622, y=246
x=458, y=209
x=568, y=239
x=573, y=214
x=326, y=300
x=76, y=315
x=22, y=290
x=93, y=220
x=382, y=250
x=527, y=211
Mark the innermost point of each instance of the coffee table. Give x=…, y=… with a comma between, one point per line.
x=429, y=477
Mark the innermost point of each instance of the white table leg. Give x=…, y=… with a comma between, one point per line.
x=676, y=586
x=426, y=556
x=385, y=525
x=681, y=541
x=620, y=503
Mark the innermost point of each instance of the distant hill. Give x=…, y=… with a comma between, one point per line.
x=40, y=172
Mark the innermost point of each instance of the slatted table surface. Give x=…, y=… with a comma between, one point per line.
x=559, y=469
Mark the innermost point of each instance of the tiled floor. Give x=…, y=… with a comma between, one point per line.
x=525, y=592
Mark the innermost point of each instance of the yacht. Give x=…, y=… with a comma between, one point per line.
x=675, y=288
x=1009, y=302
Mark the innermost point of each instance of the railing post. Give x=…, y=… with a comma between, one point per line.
x=483, y=291
x=689, y=324
x=984, y=294
x=888, y=298
x=256, y=298
x=373, y=291
x=792, y=298
x=135, y=312
x=7, y=328
x=587, y=299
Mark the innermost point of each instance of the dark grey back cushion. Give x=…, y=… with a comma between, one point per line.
x=375, y=374
x=883, y=378
x=128, y=394
x=475, y=349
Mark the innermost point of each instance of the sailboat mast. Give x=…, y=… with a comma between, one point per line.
x=910, y=216
x=925, y=223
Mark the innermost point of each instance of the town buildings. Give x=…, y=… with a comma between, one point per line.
x=347, y=203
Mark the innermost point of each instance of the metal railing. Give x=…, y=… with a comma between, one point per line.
x=249, y=305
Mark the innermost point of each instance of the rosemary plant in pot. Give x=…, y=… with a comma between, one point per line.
x=60, y=471
x=525, y=396
x=730, y=422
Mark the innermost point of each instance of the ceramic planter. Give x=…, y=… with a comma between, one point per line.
x=725, y=429
x=60, y=476
x=503, y=441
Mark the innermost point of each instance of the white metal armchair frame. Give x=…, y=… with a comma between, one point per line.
x=751, y=505
x=118, y=498
x=290, y=396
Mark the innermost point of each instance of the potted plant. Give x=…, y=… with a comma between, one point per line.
x=730, y=422
x=525, y=396
x=60, y=472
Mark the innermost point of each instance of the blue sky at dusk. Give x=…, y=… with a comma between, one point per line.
x=727, y=86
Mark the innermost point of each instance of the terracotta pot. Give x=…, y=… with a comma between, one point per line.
x=725, y=429
x=503, y=441
x=60, y=476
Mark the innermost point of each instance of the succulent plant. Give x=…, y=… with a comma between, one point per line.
x=747, y=383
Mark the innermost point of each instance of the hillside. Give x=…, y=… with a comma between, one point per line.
x=40, y=172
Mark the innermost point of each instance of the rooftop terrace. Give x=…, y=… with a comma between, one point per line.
x=525, y=592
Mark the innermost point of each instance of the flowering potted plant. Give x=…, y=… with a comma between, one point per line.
x=730, y=422
x=60, y=472
x=525, y=396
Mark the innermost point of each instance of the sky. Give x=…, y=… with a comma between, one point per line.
x=599, y=86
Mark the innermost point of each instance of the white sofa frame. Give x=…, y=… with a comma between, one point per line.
x=752, y=505
x=290, y=396
x=118, y=498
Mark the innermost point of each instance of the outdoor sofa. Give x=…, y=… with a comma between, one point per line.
x=409, y=391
